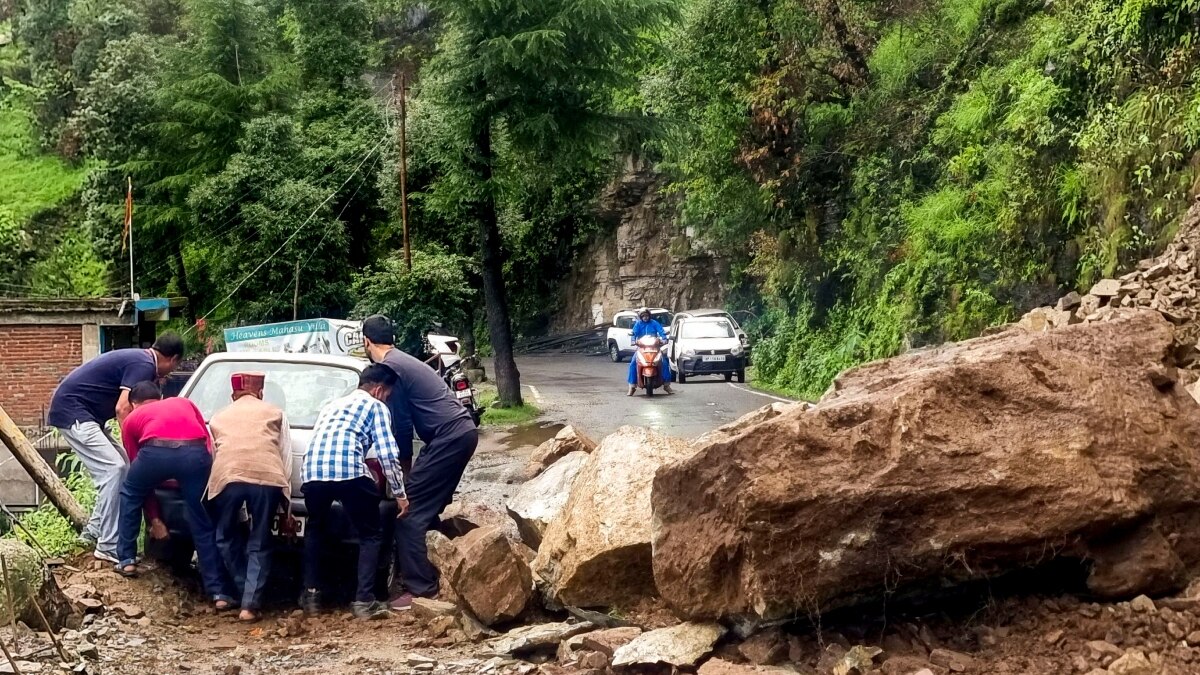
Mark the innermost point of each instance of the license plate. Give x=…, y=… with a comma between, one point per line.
x=712, y=358
x=463, y=394
x=301, y=522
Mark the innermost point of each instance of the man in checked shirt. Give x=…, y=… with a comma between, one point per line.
x=335, y=470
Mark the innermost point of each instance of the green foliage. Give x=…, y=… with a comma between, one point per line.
x=435, y=291
x=45, y=526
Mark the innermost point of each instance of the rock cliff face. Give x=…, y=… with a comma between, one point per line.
x=647, y=259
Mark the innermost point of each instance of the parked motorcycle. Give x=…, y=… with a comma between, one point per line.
x=450, y=365
x=648, y=358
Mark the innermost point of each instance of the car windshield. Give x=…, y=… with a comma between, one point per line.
x=301, y=389
x=692, y=330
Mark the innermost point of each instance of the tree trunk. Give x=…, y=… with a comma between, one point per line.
x=189, y=312
x=41, y=473
x=508, y=378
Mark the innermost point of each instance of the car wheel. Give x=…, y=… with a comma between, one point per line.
x=729, y=377
x=741, y=376
x=614, y=352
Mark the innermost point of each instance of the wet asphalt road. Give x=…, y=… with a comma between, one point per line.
x=589, y=392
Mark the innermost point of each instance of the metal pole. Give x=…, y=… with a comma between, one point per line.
x=404, y=173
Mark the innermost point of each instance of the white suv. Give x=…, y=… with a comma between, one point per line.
x=620, y=334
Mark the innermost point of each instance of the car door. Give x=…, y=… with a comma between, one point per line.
x=625, y=335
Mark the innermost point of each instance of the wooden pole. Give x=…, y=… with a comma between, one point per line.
x=404, y=173
x=46, y=622
x=296, y=293
x=41, y=473
x=8, y=594
x=8, y=655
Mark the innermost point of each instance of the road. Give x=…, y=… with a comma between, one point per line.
x=589, y=392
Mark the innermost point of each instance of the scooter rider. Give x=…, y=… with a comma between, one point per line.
x=644, y=326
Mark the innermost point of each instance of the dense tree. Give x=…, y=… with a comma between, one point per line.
x=527, y=77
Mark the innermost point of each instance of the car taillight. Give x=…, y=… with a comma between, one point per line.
x=460, y=385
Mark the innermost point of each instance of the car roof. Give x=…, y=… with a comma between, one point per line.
x=285, y=357
x=653, y=310
x=705, y=312
x=708, y=319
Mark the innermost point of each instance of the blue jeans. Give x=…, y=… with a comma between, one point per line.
x=247, y=555
x=666, y=369
x=189, y=466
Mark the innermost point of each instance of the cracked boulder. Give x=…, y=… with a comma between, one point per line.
x=941, y=466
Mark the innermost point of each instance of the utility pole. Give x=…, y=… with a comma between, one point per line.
x=404, y=172
x=296, y=293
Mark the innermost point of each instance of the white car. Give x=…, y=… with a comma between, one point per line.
x=300, y=384
x=707, y=345
x=620, y=334
x=737, y=328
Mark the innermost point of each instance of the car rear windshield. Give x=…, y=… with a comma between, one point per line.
x=301, y=389
x=706, y=329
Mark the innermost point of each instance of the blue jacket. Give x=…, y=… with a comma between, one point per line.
x=651, y=327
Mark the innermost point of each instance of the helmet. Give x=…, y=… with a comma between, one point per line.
x=643, y=310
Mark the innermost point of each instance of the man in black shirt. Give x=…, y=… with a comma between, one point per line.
x=421, y=401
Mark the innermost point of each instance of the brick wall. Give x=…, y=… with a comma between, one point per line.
x=33, y=360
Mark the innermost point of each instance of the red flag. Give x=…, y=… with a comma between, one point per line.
x=128, y=213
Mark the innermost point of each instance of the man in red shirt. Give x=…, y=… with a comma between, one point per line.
x=167, y=439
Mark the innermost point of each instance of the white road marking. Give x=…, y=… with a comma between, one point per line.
x=537, y=395
x=748, y=390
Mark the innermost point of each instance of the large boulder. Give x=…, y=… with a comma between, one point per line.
x=539, y=501
x=948, y=464
x=596, y=553
x=750, y=419
x=30, y=582
x=490, y=576
x=568, y=440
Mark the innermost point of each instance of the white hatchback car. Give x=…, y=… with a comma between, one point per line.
x=707, y=345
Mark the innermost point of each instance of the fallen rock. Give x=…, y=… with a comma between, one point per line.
x=541, y=637
x=681, y=645
x=1143, y=604
x=1139, y=561
x=428, y=609
x=723, y=667
x=1133, y=662
x=128, y=611
x=30, y=581
x=542, y=499
x=459, y=518
x=765, y=648
x=608, y=641
x=911, y=665
x=491, y=576
x=596, y=553
x=1105, y=288
x=956, y=662
x=727, y=431
x=860, y=659
x=568, y=440
x=1050, y=437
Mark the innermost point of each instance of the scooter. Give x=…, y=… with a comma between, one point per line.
x=648, y=357
x=450, y=365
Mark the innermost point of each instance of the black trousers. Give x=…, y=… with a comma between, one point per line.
x=430, y=488
x=360, y=501
x=247, y=555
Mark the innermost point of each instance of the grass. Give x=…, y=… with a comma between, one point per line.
x=30, y=182
x=766, y=387
x=503, y=417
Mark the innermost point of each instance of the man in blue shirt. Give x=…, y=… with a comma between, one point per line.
x=335, y=470
x=421, y=401
x=84, y=402
x=645, y=325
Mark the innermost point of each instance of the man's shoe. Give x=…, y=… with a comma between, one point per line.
x=632, y=390
x=105, y=556
x=310, y=601
x=401, y=603
x=667, y=388
x=369, y=610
